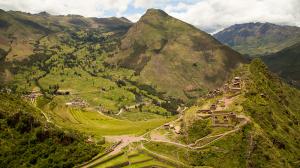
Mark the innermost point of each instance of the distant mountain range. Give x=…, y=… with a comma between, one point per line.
x=258, y=39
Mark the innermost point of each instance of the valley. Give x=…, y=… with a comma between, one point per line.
x=105, y=92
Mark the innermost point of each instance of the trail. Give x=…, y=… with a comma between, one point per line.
x=127, y=139
x=190, y=146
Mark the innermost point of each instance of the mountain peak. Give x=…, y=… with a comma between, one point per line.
x=44, y=13
x=154, y=14
x=162, y=49
x=153, y=11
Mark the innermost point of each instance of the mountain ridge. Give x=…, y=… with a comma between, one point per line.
x=258, y=39
x=286, y=64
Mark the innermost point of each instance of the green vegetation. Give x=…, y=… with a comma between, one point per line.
x=90, y=77
x=27, y=140
x=94, y=123
x=286, y=64
x=275, y=107
x=197, y=130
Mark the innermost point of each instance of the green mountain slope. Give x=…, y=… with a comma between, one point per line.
x=258, y=39
x=20, y=31
x=175, y=57
x=264, y=132
x=286, y=63
x=267, y=133
x=28, y=140
x=274, y=106
x=70, y=59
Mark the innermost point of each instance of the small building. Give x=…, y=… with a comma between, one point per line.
x=203, y=111
x=166, y=125
x=77, y=102
x=177, y=129
x=213, y=107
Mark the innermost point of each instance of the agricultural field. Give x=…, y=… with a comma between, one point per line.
x=98, y=124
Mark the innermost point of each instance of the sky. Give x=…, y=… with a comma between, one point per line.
x=208, y=15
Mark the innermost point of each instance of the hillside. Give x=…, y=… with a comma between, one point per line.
x=68, y=71
x=22, y=31
x=28, y=140
x=286, y=63
x=258, y=126
x=175, y=57
x=258, y=39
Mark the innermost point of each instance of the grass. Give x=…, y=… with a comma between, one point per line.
x=139, y=158
x=113, y=162
x=149, y=163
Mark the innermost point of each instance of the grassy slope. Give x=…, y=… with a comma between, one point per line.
x=258, y=39
x=276, y=112
x=286, y=63
x=174, y=56
x=28, y=141
x=270, y=140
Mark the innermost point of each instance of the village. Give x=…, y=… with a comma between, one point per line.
x=216, y=112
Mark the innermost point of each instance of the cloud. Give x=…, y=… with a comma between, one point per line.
x=213, y=15
x=208, y=15
x=150, y=3
x=134, y=17
x=95, y=8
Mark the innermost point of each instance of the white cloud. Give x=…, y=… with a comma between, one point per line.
x=82, y=7
x=134, y=17
x=212, y=15
x=149, y=3
x=208, y=15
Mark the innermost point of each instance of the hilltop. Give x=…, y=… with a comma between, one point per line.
x=258, y=39
x=174, y=57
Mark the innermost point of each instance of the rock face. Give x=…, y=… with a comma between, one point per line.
x=257, y=39
x=175, y=57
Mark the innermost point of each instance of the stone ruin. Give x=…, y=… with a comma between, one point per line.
x=77, y=102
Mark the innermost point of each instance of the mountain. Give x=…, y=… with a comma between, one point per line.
x=68, y=59
x=20, y=32
x=175, y=57
x=258, y=39
x=286, y=63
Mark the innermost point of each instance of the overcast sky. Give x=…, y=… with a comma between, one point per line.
x=208, y=15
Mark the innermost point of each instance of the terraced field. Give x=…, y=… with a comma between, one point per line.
x=130, y=159
x=98, y=124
